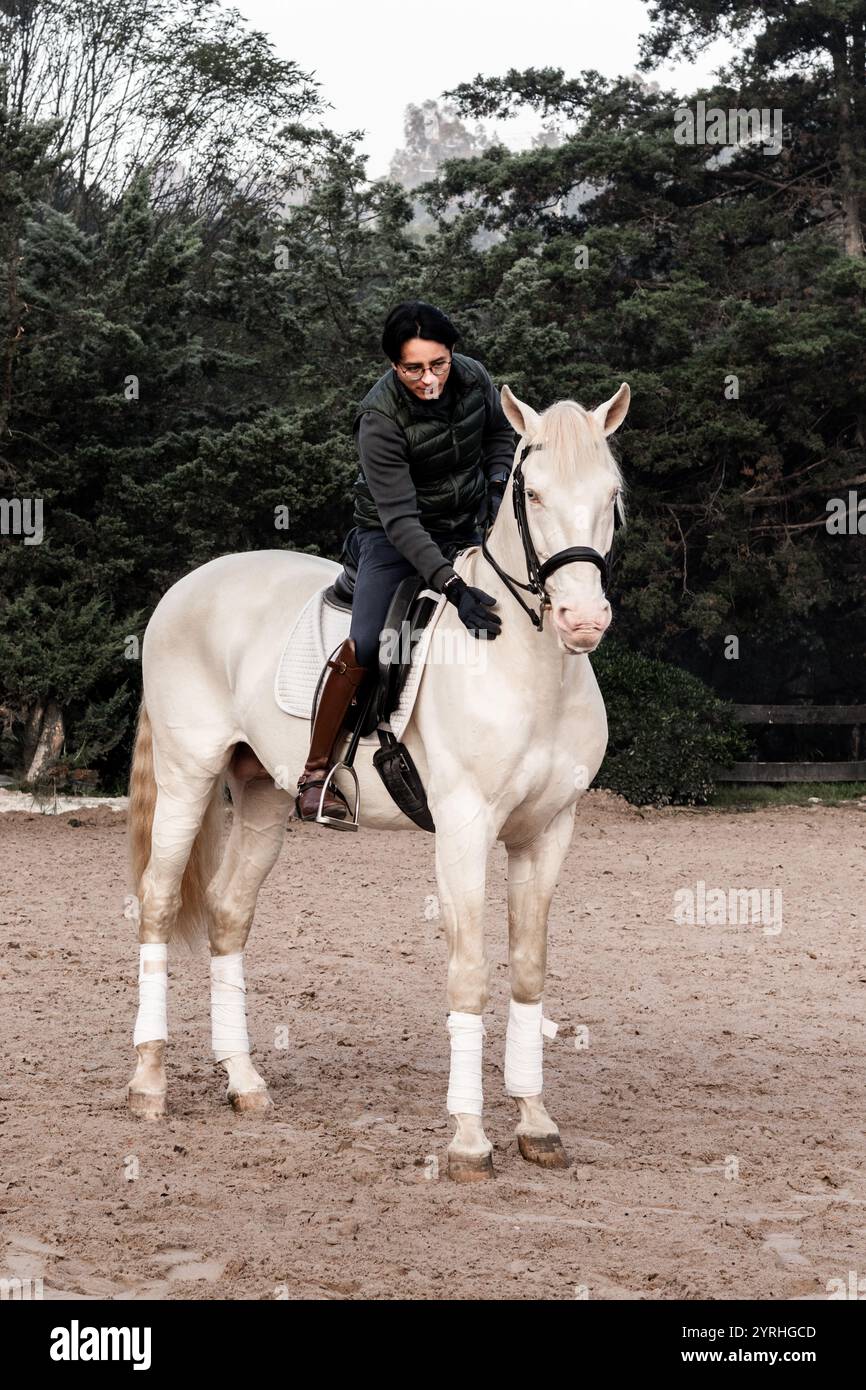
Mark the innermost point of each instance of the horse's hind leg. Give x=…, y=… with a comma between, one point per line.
x=533, y=871
x=182, y=805
x=258, y=826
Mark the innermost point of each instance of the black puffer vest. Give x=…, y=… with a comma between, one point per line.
x=444, y=457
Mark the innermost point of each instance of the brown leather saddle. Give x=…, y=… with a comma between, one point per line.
x=408, y=614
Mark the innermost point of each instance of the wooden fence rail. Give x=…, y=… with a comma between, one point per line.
x=851, y=771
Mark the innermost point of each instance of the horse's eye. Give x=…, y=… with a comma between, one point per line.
x=533, y=496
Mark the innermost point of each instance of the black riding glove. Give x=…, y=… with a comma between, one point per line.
x=495, y=494
x=472, y=606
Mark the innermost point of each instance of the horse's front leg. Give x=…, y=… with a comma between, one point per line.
x=463, y=838
x=533, y=871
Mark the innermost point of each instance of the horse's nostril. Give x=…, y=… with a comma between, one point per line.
x=576, y=619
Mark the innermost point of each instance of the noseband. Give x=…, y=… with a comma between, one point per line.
x=537, y=572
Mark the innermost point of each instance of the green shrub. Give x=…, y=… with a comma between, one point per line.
x=667, y=730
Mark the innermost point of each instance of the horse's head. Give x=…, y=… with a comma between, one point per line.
x=573, y=490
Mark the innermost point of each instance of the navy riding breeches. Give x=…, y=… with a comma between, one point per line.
x=380, y=569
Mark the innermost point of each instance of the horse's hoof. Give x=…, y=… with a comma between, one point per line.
x=545, y=1150
x=470, y=1167
x=146, y=1105
x=251, y=1102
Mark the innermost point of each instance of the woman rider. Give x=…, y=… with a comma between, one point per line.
x=434, y=445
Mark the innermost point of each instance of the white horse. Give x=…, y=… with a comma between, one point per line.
x=504, y=754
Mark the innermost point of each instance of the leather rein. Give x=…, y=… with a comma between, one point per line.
x=538, y=572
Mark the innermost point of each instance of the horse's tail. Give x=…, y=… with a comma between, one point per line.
x=194, y=914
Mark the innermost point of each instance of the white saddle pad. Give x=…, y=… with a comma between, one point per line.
x=318, y=630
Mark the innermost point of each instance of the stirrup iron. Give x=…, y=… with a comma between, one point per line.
x=336, y=822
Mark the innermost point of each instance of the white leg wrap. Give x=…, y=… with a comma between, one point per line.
x=464, y=1083
x=151, y=1024
x=524, y=1043
x=228, y=1006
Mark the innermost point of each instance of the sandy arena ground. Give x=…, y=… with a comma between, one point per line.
x=706, y=1044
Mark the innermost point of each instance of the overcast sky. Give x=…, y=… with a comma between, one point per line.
x=373, y=59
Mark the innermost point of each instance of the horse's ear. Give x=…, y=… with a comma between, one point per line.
x=611, y=414
x=521, y=417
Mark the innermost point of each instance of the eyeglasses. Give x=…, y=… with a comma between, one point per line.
x=416, y=373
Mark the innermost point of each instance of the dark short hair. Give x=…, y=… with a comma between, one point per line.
x=416, y=319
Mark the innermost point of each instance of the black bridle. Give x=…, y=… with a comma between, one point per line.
x=537, y=572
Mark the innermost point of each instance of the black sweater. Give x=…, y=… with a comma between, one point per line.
x=384, y=456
